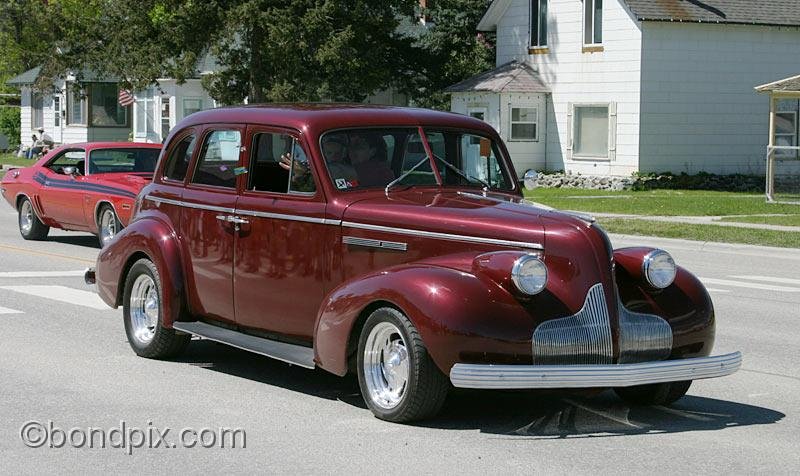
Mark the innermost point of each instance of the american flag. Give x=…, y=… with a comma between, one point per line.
x=125, y=98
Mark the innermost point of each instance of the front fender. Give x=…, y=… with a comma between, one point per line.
x=153, y=238
x=461, y=317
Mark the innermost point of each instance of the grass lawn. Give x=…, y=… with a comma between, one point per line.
x=681, y=203
x=12, y=159
x=716, y=233
x=660, y=202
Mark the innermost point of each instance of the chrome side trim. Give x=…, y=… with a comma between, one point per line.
x=583, y=338
x=196, y=206
x=369, y=242
x=444, y=236
x=642, y=337
x=280, y=216
x=592, y=376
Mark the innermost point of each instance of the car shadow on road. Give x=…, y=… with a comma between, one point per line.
x=539, y=415
x=529, y=414
x=87, y=241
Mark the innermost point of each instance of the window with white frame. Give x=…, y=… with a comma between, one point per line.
x=538, y=23
x=145, y=113
x=37, y=110
x=591, y=131
x=192, y=105
x=76, y=105
x=524, y=124
x=592, y=22
x=786, y=128
x=105, y=108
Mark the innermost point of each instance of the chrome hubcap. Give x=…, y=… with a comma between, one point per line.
x=386, y=365
x=108, y=226
x=26, y=217
x=144, y=306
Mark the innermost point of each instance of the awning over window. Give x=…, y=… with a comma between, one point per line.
x=513, y=77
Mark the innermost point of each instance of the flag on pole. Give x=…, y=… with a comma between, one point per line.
x=125, y=98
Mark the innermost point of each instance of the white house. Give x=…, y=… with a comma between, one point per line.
x=611, y=87
x=70, y=114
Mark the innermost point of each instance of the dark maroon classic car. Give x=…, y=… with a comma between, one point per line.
x=394, y=243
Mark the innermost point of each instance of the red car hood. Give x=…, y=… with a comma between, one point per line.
x=461, y=213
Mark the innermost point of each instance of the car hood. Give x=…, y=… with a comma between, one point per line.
x=494, y=216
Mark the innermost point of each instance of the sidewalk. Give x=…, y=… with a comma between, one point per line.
x=699, y=220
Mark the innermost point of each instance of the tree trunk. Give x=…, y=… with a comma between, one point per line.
x=256, y=66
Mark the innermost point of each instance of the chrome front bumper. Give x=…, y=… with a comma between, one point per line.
x=592, y=376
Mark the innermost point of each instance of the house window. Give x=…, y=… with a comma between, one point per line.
x=786, y=128
x=538, y=20
x=145, y=113
x=37, y=110
x=76, y=106
x=524, y=125
x=105, y=107
x=592, y=22
x=191, y=106
x=591, y=131
x=56, y=111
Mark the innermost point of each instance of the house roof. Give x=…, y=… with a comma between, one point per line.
x=513, y=77
x=28, y=77
x=744, y=12
x=788, y=85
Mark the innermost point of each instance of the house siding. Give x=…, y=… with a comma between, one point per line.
x=610, y=76
x=699, y=109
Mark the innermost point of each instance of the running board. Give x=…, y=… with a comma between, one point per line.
x=289, y=353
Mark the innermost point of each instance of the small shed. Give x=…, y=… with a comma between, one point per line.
x=783, y=134
x=512, y=98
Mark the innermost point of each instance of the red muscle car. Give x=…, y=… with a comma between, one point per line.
x=396, y=244
x=82, y=187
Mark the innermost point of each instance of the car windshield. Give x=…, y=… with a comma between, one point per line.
x=393, y=157
x=103, y=161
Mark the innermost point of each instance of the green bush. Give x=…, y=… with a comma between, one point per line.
x=9, y=125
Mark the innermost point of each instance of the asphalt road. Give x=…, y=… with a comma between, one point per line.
x=65, y=362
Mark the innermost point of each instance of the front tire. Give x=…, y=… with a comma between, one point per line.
x=108, y=225
x=30, y=227
x=143, y=312
x=654, y=394
x=398, y=380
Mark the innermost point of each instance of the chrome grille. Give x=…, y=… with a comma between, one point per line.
x=585, y=337
x=643, y=337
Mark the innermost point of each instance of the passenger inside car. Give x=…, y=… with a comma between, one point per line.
x=369, y=158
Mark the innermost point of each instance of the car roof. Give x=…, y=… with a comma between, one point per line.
x=319, y=117
x=113, y=145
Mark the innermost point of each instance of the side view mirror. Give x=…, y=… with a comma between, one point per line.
x=530, y=179
x=70, y=170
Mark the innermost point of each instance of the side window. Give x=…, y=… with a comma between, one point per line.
x=178, y=161
x=278, y=164
x=69, y=158
x=219, y=159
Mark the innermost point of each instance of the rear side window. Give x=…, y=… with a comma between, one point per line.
x=219, y=159
x=178, y=161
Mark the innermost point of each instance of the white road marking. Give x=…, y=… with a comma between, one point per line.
x=5, y=310
x=715, y=290
x=769, y=279
x=740, y=284
x=40, y=274
x=63, y=294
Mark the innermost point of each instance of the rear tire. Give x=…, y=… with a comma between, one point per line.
x=654, y=394
x=398, y=380
x=108, y=225
x=143, y=312
x=30, y=227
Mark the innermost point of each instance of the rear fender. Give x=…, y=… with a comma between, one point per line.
x=148, y=237
x=460, y=316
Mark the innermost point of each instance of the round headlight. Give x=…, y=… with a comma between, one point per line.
x=659, y=269
x=529, y=274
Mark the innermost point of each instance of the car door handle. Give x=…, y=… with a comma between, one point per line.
x=232, y=219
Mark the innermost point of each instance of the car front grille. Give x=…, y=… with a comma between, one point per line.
x=585, y=337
